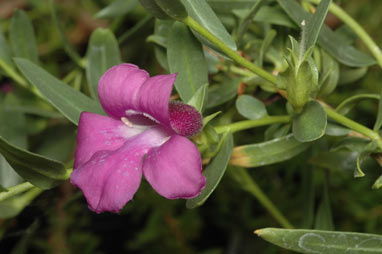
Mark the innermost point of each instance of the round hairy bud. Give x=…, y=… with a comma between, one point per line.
x=185, y=119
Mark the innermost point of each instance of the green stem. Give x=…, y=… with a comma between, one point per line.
x=237, y=70
x=353, y=125
x=229, y=52
x=247, y=124
x=13, y=191
x=248, y=184
x=363, y=35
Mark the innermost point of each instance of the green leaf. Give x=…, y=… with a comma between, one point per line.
x=328, y=39
x=154, y=9
x=15, y=128
x=5, y=54
x=378, y=121
x=336, y=130
x=268, y=14
x=317, y=241
x=324, y=218
x=161, y=30
x=214, y=172
x=250, y=107
x=65, y=42
x=313, y=26
x=226, y=6
x=58, y=147
x=350, y=102
x=67, y=100
x=330, y=72
x=13, y=206
x=103, y=53
x=8, y=177
x=337, y=161
x=206, y=17
x=350, y=75
x=116, y=9
x=222, y=93
x=378, y=183
x=266, y=153
x=175, y=9
x=199, y=98
x=22, y=38
x=308, y=196
x=42, y=172
x=185, y=56
x=14, y=132
x=23, y=101
x=276, y=131
x=311, y=123
x=269, y=37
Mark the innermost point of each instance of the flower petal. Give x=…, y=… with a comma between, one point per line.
x=153, y=97
x=174, y=169
x=110, y=178
x=118, y=88
x=96, y=133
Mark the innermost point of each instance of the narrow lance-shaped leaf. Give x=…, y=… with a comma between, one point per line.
x=214, y=172
x=185, y=56
x=22, y=38
x=103, y=53
x=42, y=172
x=328, y=39
x=6, y=62
x=205, y=16
x=308, y=196
x=268, y=14
x=67, y=100
x=317, y=241
x=266, y=153
x=313, y=27
x=175, y=9
x=117, y=8
x=14, y=132
x=67, y=46
x=222, y=93
x=324, y=218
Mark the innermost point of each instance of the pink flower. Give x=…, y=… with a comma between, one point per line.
x=143, y=134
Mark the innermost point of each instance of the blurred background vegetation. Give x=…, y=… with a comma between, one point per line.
x=59, y=222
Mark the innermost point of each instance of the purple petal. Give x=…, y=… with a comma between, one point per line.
x=110, y=178
x=118, y=88
x=154, y=95
x=96, y=133
x=174, y=169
